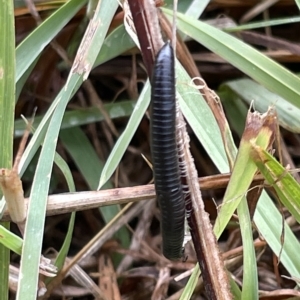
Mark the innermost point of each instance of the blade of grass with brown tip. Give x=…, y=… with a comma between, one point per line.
x=262, y=129
x=259, y=128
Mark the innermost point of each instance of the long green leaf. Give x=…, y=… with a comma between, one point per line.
x=83, y=116
x=198, y=115
x=250, y=276
x=38, y=198
x=124, y=140
x=7, y=105
x=33, y=235
x=112, y=44
x=63, y=166
x=263, y=24
x=117, y=42
x=285, y=185
x=250, y=61
x=269, y=220
x=252, y=92
x=34, y=44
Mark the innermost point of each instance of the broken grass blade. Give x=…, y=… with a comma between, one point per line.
x=12, y=189
x=259, y=128
x=285, y=185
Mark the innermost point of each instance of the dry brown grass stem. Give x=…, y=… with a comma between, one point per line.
x=69, y=202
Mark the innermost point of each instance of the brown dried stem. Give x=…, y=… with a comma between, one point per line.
x=12, y=188
x=69, y=202
x=205, y=243
x=144, y=17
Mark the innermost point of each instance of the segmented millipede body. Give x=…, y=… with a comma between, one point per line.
x=164, y=153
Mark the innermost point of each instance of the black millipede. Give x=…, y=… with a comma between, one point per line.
x=164, y=153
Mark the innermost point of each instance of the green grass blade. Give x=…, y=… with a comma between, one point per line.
x=250, y=91
x=259, y=129
x=124, y=140
x=250, y=276
x=84, y=155
x=86, y=159
x=250, y=61
x=7, y=106
x=23, y=78
x=196, y=8
x=33, y=45
x=116, y=43
x=235, y=290
x=60, y=259
x=38, y=198
x=10, y=240
x=198, y=114
x=4, y=266
x=263, y=24
x=285, y=185
x=298, y=3
x=7, y=84
x=41, y=130
x=63, y=166
x=37, y=206
x=269, y=220
x=83, y=116
x=189, y=289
